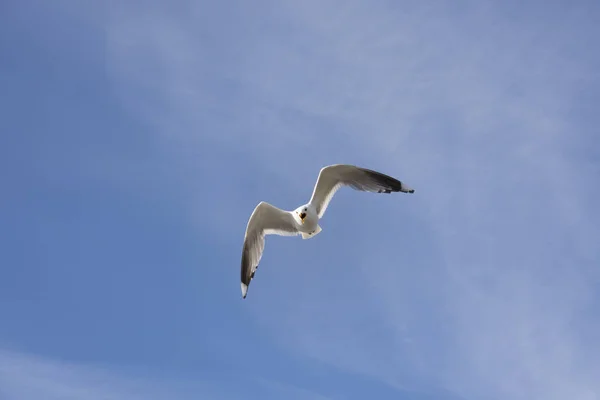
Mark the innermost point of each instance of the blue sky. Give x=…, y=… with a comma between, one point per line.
x=137, y=138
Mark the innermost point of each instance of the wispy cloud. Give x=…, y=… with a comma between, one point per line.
x=483, y=282
x=24, y=376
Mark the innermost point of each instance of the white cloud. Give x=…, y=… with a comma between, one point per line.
x=25, y=376
x=484, y=281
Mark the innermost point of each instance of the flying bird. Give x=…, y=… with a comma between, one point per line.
x=267, y=219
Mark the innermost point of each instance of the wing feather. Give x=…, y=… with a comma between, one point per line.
x=333, y=177
x=265, y=220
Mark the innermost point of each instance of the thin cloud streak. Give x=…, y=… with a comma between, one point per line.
x=24, y=376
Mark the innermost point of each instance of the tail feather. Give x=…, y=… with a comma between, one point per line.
x=312, y=234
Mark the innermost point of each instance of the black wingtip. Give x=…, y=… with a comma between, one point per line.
x=390, y=184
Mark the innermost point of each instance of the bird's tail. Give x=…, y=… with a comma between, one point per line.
x=312, y=234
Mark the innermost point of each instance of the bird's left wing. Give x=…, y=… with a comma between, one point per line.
x=333, y=177
x=265, y=220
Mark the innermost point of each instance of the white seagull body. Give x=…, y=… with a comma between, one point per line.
x=304, y=220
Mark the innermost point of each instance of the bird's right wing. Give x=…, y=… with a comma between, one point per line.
x=265, y=220
x=333, y=177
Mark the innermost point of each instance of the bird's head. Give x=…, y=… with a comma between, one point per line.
x=301, y=212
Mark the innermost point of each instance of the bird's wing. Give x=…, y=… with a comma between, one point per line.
x=333, y=177
x=265, y=220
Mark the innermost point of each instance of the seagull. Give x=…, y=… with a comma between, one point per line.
x=267, y=219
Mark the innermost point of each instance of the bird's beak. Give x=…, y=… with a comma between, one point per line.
x=302, y=216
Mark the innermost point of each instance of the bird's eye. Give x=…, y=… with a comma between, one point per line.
x=305, y=209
